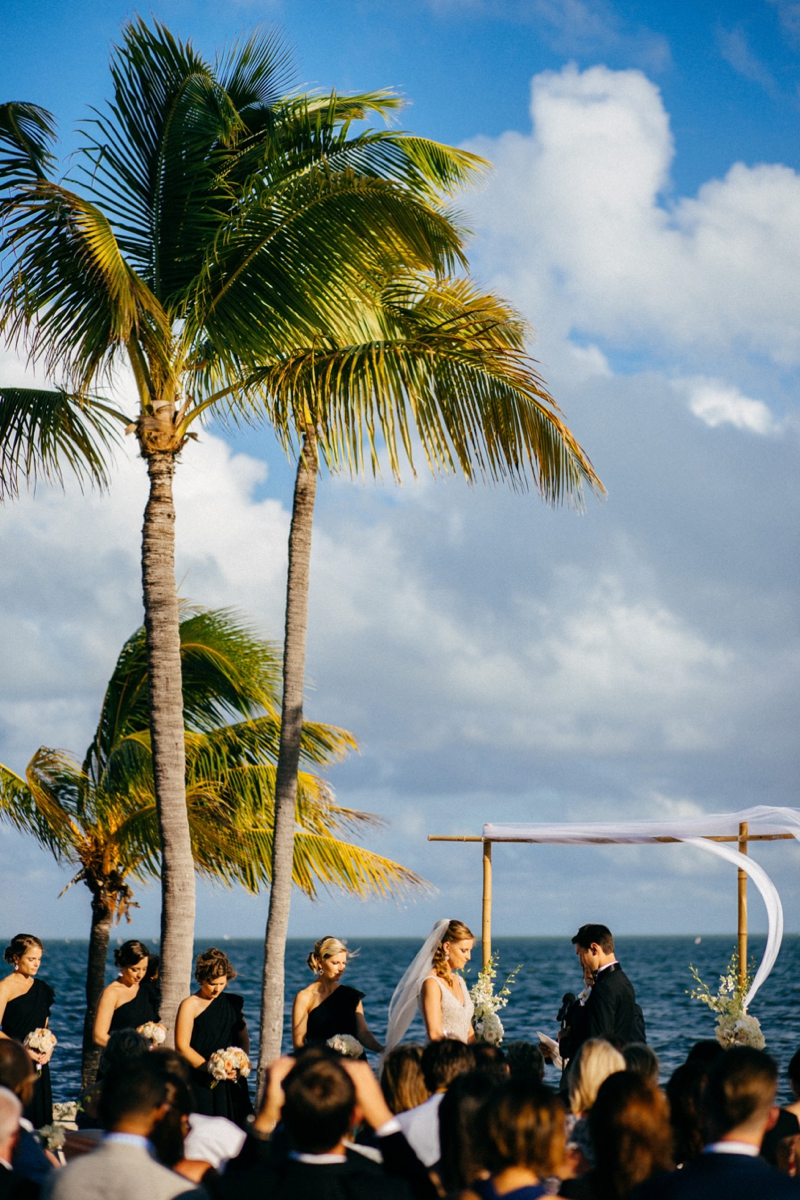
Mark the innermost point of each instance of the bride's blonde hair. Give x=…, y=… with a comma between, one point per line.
x=456, y=931
x=327, y=947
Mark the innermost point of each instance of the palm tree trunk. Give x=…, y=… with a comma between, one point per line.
x=162, y=626
x=294, y=659
x=95, y=982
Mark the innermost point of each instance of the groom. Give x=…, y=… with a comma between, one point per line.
x=611, y=1009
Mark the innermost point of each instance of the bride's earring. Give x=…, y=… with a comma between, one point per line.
x=447, y=954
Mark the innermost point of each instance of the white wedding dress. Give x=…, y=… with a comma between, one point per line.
x=456, y=1017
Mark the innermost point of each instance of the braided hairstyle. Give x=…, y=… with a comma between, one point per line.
x=456, y=931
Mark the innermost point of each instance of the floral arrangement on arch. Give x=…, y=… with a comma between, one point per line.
x=735, y=1026
x=223, y=1062
x=485, y=1021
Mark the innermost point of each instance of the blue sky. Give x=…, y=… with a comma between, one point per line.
x=495, y=659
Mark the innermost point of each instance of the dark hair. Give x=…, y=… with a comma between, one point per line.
x=491, y=1060
x=708, y=1051
x=318, y=1105
x=122, y=1046
x=631, y=1134
x=173, y=1062
x=793, y=1070
x=168, y=1132
x=17, y=1069
x=525, y=1061
x=599, y=934
x=642, y=1061
x=741, y=1084
x=461, y=1136
x=773, y=1147
x=212, y=964
x=130, y=953
x=19, y=944
x=134, y=1086
x=153, y=966
x=401, y=1078
x=443, y=1060
x=685, y=1092
x=525, y=1127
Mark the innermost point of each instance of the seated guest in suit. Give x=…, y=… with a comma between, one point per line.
x=136, y=1096
x=611, y=1010
x=739, y=1100
x=12, y=1185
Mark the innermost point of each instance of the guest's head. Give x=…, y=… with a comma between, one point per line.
x=153, y=968
x=401, y=1078
x=329, y=958
x=491, y=1060
x=685, y=1092
x=707, y=1051
x=171, y=1128
x=24, y=952
x=591, y=1066
x=134, y=1096
x=319, y=1105
x=631, y=1134
x=123, y=1044
x=525, y=1061
x=594, y=946
x=461, y=1133
x=740, y=1095
x=10, y=1113
x=213, y=971
x=794, y=1074
x=640, y=1059
x=131, y=958
x=443, y=1061
x=454, y=949
x=524, y=1126
x=17, y=1070
x=780, y=1143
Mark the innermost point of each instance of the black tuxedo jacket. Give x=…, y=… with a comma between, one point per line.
x=357, y=1179
x=611, y=1009
x=720, y=1177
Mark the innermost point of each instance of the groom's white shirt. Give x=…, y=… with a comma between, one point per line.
x=421, y=1128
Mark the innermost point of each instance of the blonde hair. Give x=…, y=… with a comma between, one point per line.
x=591, y=1067
x=456, y=931
x=327, y=947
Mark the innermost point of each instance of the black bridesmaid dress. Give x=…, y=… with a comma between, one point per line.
x=216, y=1028
x=22, y=1015
x=138, y=1011
x=336, y=1014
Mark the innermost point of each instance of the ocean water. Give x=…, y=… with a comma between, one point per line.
x=658, y=967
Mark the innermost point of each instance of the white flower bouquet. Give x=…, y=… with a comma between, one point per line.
x=485, y=1021
x=154, y=1032
x=223, y=1062
x=52, y=1137
x=346, y=1044
x=40, y=1041
x=735, y=1027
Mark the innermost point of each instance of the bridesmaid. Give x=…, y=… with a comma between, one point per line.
x=129, y=1002
x=24, y=1006
x=328, y=1006
x=210, y=1020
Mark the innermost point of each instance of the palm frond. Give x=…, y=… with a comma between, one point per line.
x=43, y=431
x=27, y=133
x=43, y=804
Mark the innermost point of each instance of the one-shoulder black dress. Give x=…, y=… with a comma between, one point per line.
x=138, y=1011
x=336, y=1014
x=22, y=1015
x=217, y=1028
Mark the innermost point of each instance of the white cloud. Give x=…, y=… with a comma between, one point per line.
x=717, y=403
x=575, y=225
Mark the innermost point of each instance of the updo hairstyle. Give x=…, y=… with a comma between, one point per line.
x=327, y=947
x=456, y=931
x=212, y=964
x=19, y=945
x=130, y=953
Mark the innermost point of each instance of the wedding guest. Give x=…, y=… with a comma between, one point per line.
x=491, y=1060
x=442, y=1061
x=129, y=1002
x=136, y=1095
x=631, y=1136
x=25, y=1003
x=685, y=1091
x=525, y=1061
x=707, y=1051
x=401, y=1078
x=779, y=1146
x=591, y=1066
x=123, y=1044
x=524, y=1138
x=643, y=1061
x=463, y=1153
x=793, y=1072
x=209, y=1020
x=327, y=1006
x=611, y=1009
x=13, y=1186
x=739, y=1099
x=18, y=1075
x=208, y=1142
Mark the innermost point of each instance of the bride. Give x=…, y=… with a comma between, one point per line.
x=431, y=984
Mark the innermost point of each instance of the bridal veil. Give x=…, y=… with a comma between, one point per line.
x=404, y=1001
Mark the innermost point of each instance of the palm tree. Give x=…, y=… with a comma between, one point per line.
x=101, y=816
x=437, y=359
x=209, y=225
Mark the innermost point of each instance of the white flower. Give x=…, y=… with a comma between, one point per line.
x=40, y=1041
x=490, y=1029
x=52, y=1137
x=346, y=1044
x=222, y=1062
x=154, y=1032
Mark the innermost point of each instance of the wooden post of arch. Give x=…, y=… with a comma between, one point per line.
x=486, y=911
x=743, y=830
